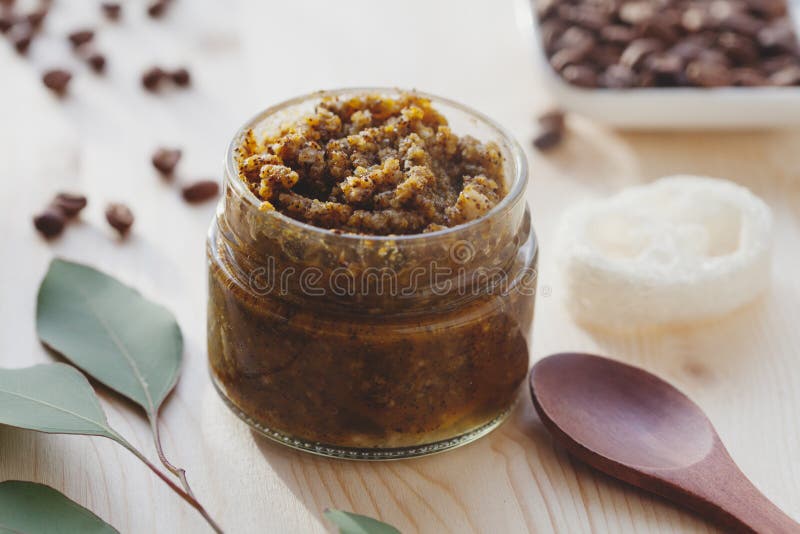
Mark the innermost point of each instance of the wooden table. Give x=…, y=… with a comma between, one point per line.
x=743, y=370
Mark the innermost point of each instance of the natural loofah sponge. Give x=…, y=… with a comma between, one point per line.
x=681, y=249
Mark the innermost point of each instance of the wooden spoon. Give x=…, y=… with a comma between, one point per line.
x=634, y=426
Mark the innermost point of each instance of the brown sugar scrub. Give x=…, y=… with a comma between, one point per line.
x=373, y=165
x=371, y=336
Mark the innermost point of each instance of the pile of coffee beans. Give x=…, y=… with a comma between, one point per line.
x=670, y=43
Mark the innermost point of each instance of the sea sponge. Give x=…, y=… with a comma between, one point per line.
x=679, y=250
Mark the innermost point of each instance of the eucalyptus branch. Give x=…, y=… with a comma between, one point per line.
x=185, y=495
x=177, y=471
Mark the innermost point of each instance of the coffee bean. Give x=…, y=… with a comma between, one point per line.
x=638, y=50
x=165, y=160
x=778, y=36
x=580, y=75
x=200, y=191
x=36, y=18
x=577, y=38
x=708, y=74
x=158, y=8
x=618, y=77
x=547, y=140
x=636, y=12
x=586, y=16
x=69, y=204
x=551, y=31
x=768, y=8
x=152, y=78
x=112, y=10
x=551, y=130
x=57, y=80
x=687, y=50
x=22, y=42
x=741, y=23
x=604, y=55
x=49, y=223
x=80, y=37
x=786, y=76
x=7, y=21
x=666, y=63
x=618, y=34
x=552, y=120
x=545, y=8
x=747, y=77
x=738, y=48
x=694, y=19
x=181, y=77
x=666, y=27
x=120, y=217
x=774, y=64
x=567, y=56
x=97, y=62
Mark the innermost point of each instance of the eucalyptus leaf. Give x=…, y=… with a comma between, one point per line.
x=111, y=332
x=38, y=509
x=350, y=523
x=53, y=398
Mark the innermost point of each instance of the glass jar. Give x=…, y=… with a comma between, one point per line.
x=371, y=347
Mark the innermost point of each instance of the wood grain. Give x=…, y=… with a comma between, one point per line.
x=634, y=426
x=743, y=370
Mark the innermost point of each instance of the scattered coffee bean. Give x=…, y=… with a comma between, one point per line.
x=668, y=43
x=547, y=140
x=200, y=191
x=165, y=160
x=69, y=204
x=120, y=217
x=80, y=37
x=112, y=10
x=551, y=132
x=552, y=120
x=22, y=42
x=152, y=78
x=181, y=77
x=50, y=222
x=158, y=8
x=97, y=62
x=7, y=22
x=36, y=18
x=57, y=80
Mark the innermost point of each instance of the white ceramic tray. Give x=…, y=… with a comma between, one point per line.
x=672, y=108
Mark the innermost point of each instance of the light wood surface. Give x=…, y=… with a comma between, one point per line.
x=744, y=370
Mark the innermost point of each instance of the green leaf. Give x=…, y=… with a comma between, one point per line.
x=111, y=332
x=53, y=398
x=38, y=509
x=350, y=523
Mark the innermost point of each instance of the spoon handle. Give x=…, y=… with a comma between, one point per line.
x=718, y=489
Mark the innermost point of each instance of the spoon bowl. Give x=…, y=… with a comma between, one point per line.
x=634, y=426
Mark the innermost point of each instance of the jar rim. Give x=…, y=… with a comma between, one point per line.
x=516, y=190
